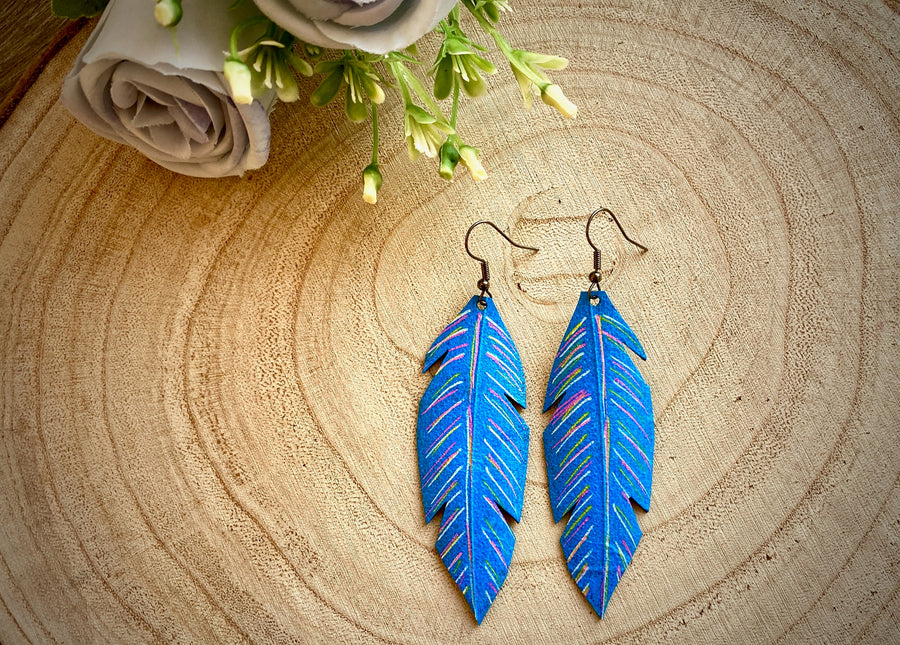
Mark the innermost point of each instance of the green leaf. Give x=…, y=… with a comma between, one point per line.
x=356, y=110
x=328, y=88
x=299, y=64
x=78, y=8
x=419, y=115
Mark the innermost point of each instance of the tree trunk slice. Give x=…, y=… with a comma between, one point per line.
x=210, y=387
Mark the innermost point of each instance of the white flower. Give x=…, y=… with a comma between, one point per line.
x=469, y=158
x=371, y=184
x=553, y=96
x=130, y=84
x=424, y=133
x=376, y=26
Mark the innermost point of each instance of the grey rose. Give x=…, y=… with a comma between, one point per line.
x=376, y=26
x=132, y=85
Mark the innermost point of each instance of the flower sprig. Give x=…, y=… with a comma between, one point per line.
x=355, y=71
x=273, y=57
x=268, y=63
x=528, y=67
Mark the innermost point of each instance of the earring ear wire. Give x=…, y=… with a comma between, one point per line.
x=485, y=282
x=594, y=276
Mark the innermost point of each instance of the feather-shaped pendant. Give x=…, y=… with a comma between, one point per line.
x=473, y=449
x=598, y=446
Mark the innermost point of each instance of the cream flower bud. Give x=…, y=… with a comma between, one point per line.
x=239, y=80
x=167, y=12
x=553, y=96
x=371, y=184
x=468, y=156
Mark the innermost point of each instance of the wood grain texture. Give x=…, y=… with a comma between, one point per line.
x=25, y=30
x=209, y=388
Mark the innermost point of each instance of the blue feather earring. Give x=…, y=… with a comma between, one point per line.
x=473, y=443
x=599, y=443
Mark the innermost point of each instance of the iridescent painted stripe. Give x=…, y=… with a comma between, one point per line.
x=500, y=330
x=508, y=443
x=571, y=459
x=635, y=377
x=437, y=442
x=461, y=330
x=513, y=377
x=476, y=342
x=576, y=523
x=573, y=355
x=568, y=407
x=442, y=392
x=616, y=403
x=625, y=523
x=450, y=545
x=494, y=402
x=441, y=498
x=494, y=544
x=576, y=478
x=630, y=392
x=631, y=441
x=499, y=487
x=604, y=419
x=442, y=464
x=627, y=332
x=443, y=414
x=624, y=431
x=448, y=361
x=448, y=522
x=509, y=352
x=573, y=378
x=637, y=480
x=580, y=542
x=493, y=457
x=583, y=420
x=616, y=340
x=572, y=332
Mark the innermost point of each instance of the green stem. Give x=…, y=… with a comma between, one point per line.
x=454, y=138
x=408, y=80
x=374, y=134
x=505, y=47
x=490, y=29
x=241, y=26
x=398, y=69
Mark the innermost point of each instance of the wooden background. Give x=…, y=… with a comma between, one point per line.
x=209, y=387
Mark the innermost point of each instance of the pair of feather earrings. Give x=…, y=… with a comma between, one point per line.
x=473, y=443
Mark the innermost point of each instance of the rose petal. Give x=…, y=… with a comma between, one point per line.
x=321, y=9
x=369, y=14
x=296, y=22
x=378, y=26
x=130, y=85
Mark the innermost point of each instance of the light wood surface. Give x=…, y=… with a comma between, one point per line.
x=209, y=387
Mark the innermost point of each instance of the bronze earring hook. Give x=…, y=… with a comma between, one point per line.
x=485, y=282
x=594, y=275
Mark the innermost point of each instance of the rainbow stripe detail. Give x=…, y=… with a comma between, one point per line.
x=598, y=446
x=473, y=450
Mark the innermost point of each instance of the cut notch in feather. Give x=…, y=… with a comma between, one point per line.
x=598, y=446
x=473, y=449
